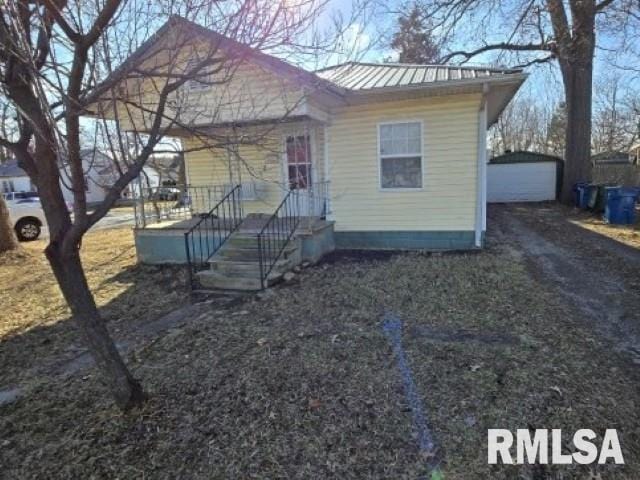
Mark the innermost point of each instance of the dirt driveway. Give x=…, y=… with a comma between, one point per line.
x=597, y=274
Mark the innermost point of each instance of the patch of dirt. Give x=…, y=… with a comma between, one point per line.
x=303, y=384
x=597, y=274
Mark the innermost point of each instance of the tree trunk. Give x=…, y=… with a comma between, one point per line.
x=578, y=90
x=8, y=240
x=68, y=270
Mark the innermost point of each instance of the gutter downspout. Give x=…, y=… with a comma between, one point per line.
x=481, y=176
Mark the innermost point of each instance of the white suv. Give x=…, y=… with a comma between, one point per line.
x=26, y=215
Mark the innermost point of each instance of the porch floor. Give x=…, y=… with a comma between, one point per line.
x=253, y=223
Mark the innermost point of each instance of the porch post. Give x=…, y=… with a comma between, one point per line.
x=311, y=180
x=327, y=171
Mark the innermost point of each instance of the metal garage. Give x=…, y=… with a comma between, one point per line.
x=523, y=177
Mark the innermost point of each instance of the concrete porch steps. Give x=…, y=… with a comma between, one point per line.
x=236, y=266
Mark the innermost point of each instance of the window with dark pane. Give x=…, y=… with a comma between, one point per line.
x=400, y=151
x=299, y=161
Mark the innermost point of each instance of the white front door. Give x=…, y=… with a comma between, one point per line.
x=298, y=169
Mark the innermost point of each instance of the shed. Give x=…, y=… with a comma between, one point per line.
x=523, y=177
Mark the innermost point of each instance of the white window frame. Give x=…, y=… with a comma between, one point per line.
x=403, y=155
x=312, y=165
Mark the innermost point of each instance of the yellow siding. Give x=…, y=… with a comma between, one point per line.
x=262, y=163
x=249, y=93
x=243, y=92
x=447, y=201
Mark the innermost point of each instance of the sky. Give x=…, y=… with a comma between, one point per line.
x=544, y=83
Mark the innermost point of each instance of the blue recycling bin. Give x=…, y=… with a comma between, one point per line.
x=621, y=206
x=632, y=191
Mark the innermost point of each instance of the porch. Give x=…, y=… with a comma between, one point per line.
x=222, y=245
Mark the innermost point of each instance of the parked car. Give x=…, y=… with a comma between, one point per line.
x=167, y=194
x=27, y=217
x=13, y=196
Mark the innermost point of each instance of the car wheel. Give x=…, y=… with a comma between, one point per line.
x=27, y=230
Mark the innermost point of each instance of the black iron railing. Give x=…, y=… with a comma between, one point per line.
x=206, y=237
x=175, y=202
x=276, y=234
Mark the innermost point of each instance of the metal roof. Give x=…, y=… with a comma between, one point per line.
x=368, y=76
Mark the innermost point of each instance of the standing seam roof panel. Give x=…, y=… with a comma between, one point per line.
x=365, y=76
x=406, y=76
x=397, y=74
x=387, y=73
x=353, y=75
x=374, y=78
x=358, y=77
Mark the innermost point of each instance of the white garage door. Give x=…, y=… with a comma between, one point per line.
x=521, y=182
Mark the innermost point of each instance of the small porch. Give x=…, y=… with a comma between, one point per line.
x=222, y=245
x=257, y=195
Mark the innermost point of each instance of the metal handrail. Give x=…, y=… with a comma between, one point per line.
x=217, y=226
x=276, y=234
x=174, y=202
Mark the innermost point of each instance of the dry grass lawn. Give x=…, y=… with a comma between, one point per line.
x=303, y=384
x=35, y=323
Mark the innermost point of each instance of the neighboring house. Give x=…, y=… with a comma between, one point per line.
x=395, y=153
x=616, y=157
x=94, y=163
x=13, y=178
x=621, y=168
x=161, y=169
x=149, y=180
x=524, y=177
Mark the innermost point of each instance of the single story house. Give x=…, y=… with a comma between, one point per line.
x=13, y=178
x=95, y=164
x=622, y=168
x=99, y=176
x=392, y=156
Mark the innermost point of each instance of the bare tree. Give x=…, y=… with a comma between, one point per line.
x=521, y=126
x=556, y=130
x=540, y=31
x=59, y=62
x=615, y=122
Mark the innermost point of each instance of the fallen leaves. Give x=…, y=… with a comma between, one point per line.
x=327, y=402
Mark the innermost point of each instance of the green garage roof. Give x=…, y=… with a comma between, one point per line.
x=524, y=157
